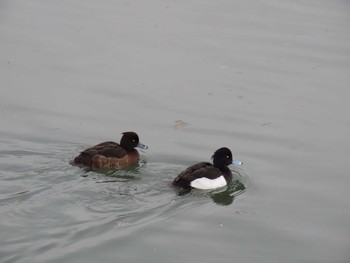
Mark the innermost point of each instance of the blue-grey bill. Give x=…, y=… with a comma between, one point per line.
x=142, y=146
x=237, y=162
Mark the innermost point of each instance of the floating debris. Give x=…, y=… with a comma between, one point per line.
x=179, y=124
x=241, y=212
x=122, y=223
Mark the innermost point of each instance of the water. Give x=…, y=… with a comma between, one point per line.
x=267, y=79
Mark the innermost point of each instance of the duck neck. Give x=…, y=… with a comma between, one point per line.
x=126, y=145
x=226, y=172
x=220, y=165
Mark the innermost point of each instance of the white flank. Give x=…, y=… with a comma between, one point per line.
x=205, y=183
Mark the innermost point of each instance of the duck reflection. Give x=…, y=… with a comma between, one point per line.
x=223, y=196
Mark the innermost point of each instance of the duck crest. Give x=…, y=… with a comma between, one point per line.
x=129, y=140
x=222, y=158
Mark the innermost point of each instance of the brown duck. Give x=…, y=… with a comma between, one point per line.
x=111, y=154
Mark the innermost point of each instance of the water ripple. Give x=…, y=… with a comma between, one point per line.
x=48, y=205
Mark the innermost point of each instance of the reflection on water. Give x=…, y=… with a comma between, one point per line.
x=226, y=197
x=42, y=194
x=151, y=181
x=125, y=174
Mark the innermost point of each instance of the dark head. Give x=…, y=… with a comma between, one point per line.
x=223, y=158
x=130, y=140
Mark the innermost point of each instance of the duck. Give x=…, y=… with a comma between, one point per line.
x=111, y=154
x=205, y=175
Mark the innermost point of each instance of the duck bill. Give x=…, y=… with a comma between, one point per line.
x=142, y=146
x=237, y=162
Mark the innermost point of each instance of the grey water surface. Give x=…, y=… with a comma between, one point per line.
x=268, y=79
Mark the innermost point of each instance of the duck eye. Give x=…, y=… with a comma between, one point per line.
x=227, y=156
